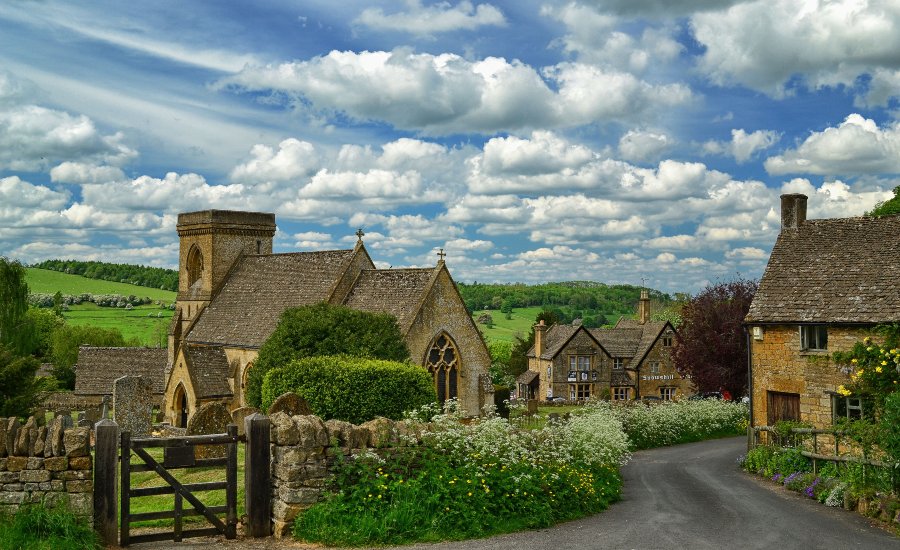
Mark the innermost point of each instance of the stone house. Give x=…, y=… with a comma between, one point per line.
x=629, y=361
x=233, y=289
x=99, y=367
x=827, y=283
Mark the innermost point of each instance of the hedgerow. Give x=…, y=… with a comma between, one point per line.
x=352, y=388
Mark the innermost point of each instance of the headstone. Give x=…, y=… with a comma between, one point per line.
x=2, y=437
x=532, y=407
x=210, y=418
x=92, y=414
x=291, y=404
x=104, y=407
x=132, y=404
x=238, y=416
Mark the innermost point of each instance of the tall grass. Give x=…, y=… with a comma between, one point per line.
x=36, y=527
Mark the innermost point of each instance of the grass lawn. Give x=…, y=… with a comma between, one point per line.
x=45, y=281
x=147, y=323
x=506, y=329
x=159, y=503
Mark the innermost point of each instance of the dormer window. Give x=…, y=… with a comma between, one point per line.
x=813, y=338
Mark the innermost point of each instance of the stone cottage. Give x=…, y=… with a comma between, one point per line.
x=827, y=283
x=99, y=367
x=629, y=361
x=233, y=289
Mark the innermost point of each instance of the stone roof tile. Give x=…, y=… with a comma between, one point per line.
x=210, y=370
x=98, y=368
x=394, y=291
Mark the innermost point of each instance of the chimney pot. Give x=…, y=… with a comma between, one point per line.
x=793, y=210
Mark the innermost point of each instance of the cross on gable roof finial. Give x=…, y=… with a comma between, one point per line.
x=359, y=234
x=441, y=255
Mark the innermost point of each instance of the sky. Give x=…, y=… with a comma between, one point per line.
x=620, y=141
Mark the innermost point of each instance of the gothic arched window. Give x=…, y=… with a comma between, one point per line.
x=194, y=265
x=442, y=362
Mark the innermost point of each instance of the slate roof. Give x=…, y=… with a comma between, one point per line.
x=98, y=368
x=650, y=331
x=247, y=308
x=209, y=370
x=394, y=291
x=620, y=378
x=619, y=342
x=527, y=377
x=834, y=270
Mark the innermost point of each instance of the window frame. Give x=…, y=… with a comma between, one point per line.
x=618, y=363
x=667, y=393
x=617, y=390
x=813, y=337
x=579, y=392
x=848, y=410
x=654, y=367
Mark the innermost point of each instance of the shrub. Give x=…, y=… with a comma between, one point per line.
x=324, y=329
x=352, y=388
x=681, y=422
x=39, y=528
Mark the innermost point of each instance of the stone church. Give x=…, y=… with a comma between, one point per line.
x=233, y=289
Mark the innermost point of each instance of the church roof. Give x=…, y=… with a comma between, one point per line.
x=394, y=291
x=840, y=270
x=98, y=368
x=247, y=308
x=209, y=370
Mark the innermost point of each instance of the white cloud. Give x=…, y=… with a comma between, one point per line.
x=747, y=253
x=763, y=44
x=837, y=199
x=293, y=159
x=436, y=18
x=856, y=146
x=445, y=94
x=79, y=172
x=643, y=146
x=658, y=8
x=542, y=153
x=17, y=196
x=882, y=87
x=743, y=145
x=477, y=245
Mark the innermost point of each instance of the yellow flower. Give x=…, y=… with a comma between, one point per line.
x=854, y=361
x=883, y=364
x=841, y=390
x=860, y=372
x=878, y=370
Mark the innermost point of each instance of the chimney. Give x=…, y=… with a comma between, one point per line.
x=539, y=330
x=793, y=210
x=644, y=307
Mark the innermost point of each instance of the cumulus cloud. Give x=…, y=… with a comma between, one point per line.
x=743, y=145
x=293, y=159
x=643, y=146
x=837, y=199
x=427, y=20
x=80, y=172
x=857, y=146
x=445, y=94
x=825, y=43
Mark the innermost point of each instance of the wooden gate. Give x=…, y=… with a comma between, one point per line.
x=179, y=453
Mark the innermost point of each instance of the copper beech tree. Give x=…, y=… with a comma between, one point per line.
x=710, y=344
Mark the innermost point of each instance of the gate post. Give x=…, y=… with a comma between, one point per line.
x=106, y=489
x=257, y=478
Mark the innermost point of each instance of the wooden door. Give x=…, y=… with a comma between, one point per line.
x=783, y=406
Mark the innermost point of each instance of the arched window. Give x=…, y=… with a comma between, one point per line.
x=181, y=407
x=442, y=362
x=194, y=265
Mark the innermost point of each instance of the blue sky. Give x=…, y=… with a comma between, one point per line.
x=606, y=140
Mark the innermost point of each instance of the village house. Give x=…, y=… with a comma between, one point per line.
x=827, y=284
x=233, y=289
x=629, y=361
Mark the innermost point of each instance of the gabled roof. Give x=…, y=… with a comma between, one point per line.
x=619, y=342
x=395, y=291
x=209, y=370
x=247, y=308
x=832, y=271
x=628, y=339
x=555, y=338
x=527, y=377
x=650, y=331
x=98, y=368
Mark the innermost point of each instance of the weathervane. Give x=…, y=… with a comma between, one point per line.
x=359, y=234
x=643, y=282
x=441, y=255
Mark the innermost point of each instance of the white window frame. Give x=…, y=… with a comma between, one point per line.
x=618, y=363
x=667, y=394
x=654, y=367
x=813, y=337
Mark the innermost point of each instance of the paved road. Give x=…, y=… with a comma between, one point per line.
x=695, y=496
x=687, y=497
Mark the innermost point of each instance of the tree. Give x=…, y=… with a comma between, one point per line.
x=888, y=207
x=324, y=329
x=16, y=332
x=710, y=344
x=500, y=353
x=65, y=341
x=18, y=386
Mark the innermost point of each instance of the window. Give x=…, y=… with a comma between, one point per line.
x=621, y=394
x=579, y=391
x=667, y=394
x=581, y=363
x=549, y=373
x=618, y=363
x=443, y=364
x=813, y=337
x=846, y=407
x=654, y=367
x=667, y=340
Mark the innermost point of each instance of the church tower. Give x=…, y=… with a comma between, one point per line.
x=210, y=243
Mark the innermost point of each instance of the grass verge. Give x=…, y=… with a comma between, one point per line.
x=35, y=527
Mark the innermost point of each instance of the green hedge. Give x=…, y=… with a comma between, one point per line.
x=352, y=388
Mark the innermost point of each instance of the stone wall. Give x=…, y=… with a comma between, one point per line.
x=45, y=464
x=780, y=365
x=304, y=449
x=667, y=377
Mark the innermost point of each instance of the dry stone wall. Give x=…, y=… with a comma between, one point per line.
x=48, y=465
x=304, y=450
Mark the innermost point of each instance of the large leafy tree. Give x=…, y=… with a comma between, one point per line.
x=888, y=207
x=710, y=344
x=16, y=330
x=324, y=329
x=18, y=386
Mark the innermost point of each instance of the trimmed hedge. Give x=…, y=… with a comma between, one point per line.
x=352, y=388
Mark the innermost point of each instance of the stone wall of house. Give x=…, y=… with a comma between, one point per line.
x=305, y=449
x=47, y=465
x=780, y=365
x=580, y=344
x=667, y=377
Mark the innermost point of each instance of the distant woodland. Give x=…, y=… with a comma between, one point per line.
x=153, y=277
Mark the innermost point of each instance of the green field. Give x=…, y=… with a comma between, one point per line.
x=506, y=329
x=148, y=323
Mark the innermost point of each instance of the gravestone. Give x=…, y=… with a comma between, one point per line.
x=132, y=404
x=211, y=418
x=238, y=416
x=290, y=404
